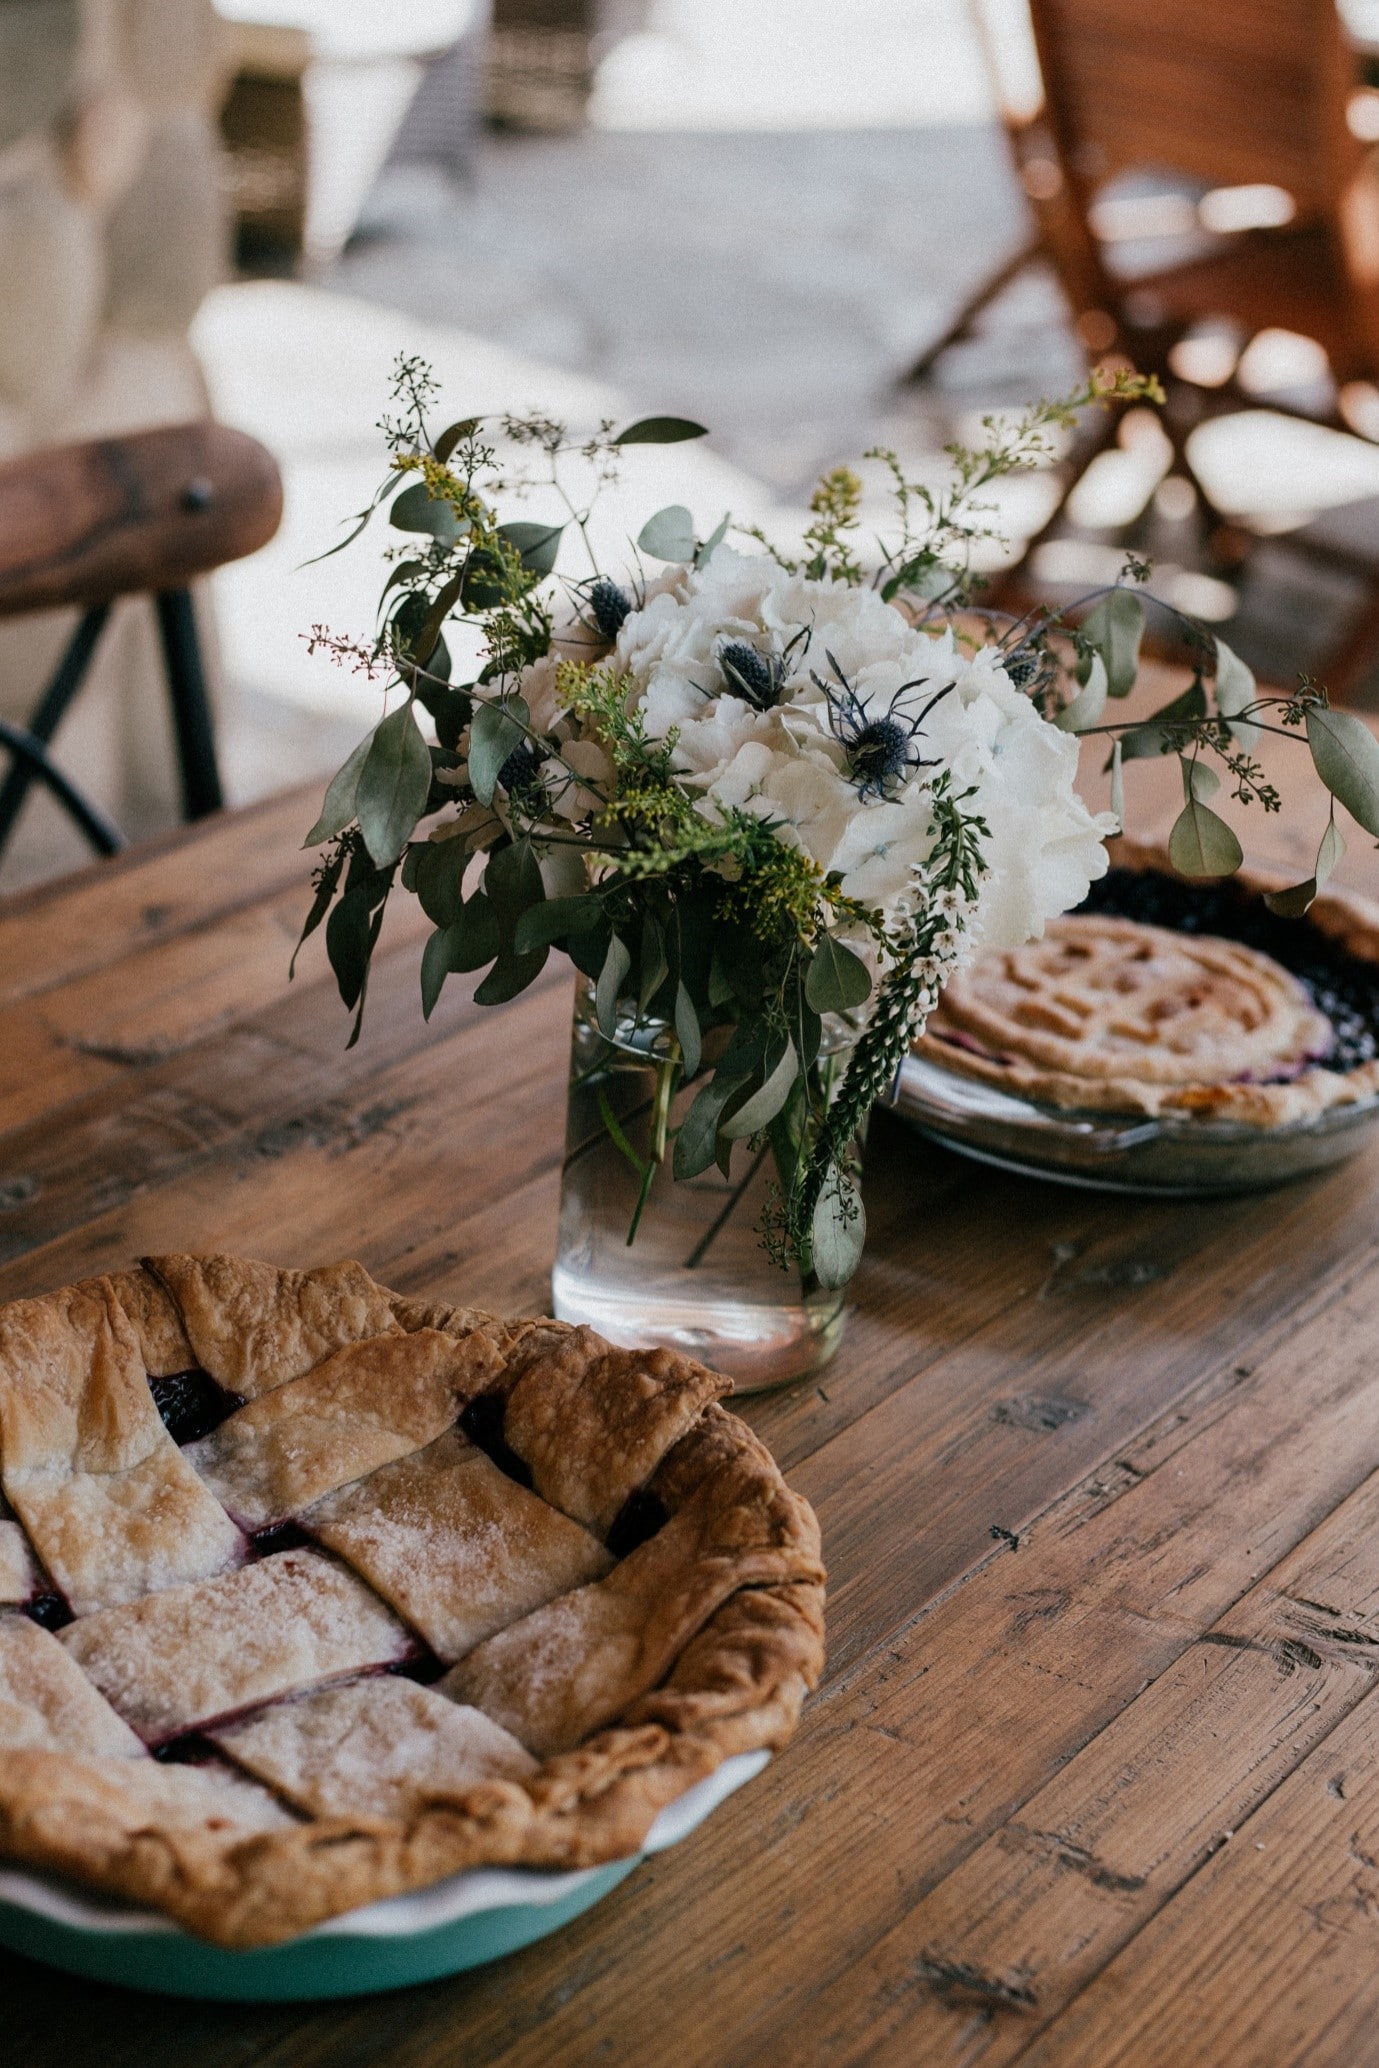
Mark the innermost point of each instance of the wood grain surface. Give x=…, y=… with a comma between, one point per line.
x=1094, y=1774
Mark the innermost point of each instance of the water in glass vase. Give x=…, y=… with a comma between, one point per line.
x=695, y=1277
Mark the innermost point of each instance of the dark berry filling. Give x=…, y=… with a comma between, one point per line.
x=192, y=1404
x=50, y=1610
x=280, y=1536
x=638, y=1519
x=1344, y=989
x=482, y=1422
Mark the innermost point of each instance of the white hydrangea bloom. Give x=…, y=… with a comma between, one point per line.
x=793, y=762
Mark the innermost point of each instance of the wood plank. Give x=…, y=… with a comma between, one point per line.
x=986, y=1961
x=276, y=1079
x=402, y=1159
x=169, y=996
x=1267, y=1957
x=154, y=892
x=908, y=1763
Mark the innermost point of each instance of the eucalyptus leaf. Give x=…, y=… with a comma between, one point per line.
x=509, y=975
x=394, y=782
x=660, y=430
x=1200, y=781
x=1293, y=902
x=1346, y=755
x=696, y=1145
x=1235, y=692
x=1085, y=710
x=836, y=979
x=320, y=905
x=497, y=729
x=687, y=1031
x=348, y=944
x=1114, y=628
x=435, y=968
x=616, y=963
x=704, y=553
x=669, y=535
x=1201, y=844
x=1118, y=786
x=542, y=925
x=654, y=966
x=764, y=1104
x=1153, y=737
x=1330, y=854
x=512, y=882
x=538, y=544
x=474, y=939
x=438, y=879
x=416, y=510
x=338, y=809
x=839, y=1231
x=451, y=436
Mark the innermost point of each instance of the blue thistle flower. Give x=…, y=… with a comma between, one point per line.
x=610, y=606
x=520, y=770
x=881, y=751
x=750, y=674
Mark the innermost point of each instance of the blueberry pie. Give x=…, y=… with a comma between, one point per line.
x=1160, y=997
x=311, y=1594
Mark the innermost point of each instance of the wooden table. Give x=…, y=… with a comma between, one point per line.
x=1094, y=1774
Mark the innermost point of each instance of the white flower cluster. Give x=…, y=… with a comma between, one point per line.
x=818, y=706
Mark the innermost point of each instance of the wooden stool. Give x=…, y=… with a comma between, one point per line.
x=141, y=515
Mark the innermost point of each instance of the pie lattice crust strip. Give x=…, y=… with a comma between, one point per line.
x=1105, y=1014
x=429, y=1590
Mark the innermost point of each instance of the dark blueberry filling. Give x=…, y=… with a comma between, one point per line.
x=482, y=1422
x=281, y=1536
x=1346, y=990
x=189, y=1750
x=192, y=1404
x=638, y=1519
x=425, y=1668
x=50, y=1610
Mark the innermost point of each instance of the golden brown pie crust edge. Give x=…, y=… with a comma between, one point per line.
x=738, y=1686
x=1344, y=916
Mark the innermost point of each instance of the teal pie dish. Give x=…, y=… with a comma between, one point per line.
x=461, y=1923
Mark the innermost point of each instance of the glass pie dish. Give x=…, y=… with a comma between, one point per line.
x=1182, y=1155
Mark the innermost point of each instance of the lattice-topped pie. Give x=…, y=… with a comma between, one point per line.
x=1164, y=997
x=311, y=1594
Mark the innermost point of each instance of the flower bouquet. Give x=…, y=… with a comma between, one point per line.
x=764, y=802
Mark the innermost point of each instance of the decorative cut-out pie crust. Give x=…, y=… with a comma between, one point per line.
x=1108, y=1014
x=420, y=1590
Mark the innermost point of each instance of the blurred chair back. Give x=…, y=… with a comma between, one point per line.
x=1233, y=92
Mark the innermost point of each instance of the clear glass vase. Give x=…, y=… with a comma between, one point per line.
x=694, y=1275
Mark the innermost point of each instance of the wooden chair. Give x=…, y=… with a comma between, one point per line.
x=1243, y=97
x=84, y=524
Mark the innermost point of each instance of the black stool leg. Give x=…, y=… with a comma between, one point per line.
x=52, y=707
x=191, y=708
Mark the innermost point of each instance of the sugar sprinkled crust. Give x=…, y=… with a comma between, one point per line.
x=253, y=1327
x=374, y=1748
x=456, y=1546
x=569, y=1668
x=361, y=1407
x=594, y=1422
x=110, y=1505
x=47, y=1704
x=187, y=1657
x=737, y=1584
x=19, y=1575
